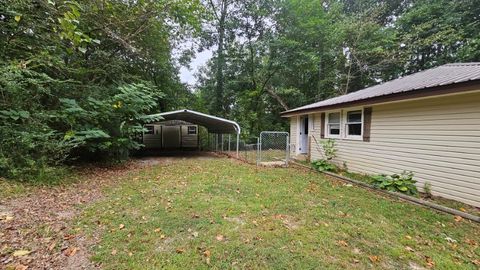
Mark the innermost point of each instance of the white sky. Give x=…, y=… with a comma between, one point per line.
x=187, y=75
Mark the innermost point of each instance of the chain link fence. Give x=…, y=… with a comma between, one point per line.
x=274, y=148
x=271, y=148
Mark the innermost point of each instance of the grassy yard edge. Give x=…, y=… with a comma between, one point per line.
x=410, y=199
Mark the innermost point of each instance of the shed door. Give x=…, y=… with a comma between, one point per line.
x=171, y=136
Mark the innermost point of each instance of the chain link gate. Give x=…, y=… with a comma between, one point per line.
x=273, y=148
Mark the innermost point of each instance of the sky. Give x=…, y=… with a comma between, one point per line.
x=188, y=75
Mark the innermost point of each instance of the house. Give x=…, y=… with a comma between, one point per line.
x=427, y=123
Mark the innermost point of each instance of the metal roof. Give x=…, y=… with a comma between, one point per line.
x=448, y=74
x=212, y=123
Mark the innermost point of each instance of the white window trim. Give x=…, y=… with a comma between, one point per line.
x=327, y=128
x=345, y=123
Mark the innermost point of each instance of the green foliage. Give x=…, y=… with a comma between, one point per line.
x=323, y=165
x=427, y=189
x=109, y=126
x=79, y=77
x=329, y=150
x=403, y=182
x=284, y=54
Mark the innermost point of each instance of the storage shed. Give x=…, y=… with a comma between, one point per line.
x=180, y=129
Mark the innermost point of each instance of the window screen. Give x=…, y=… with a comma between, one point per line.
x=354, y=123
x=334, y=123
x=192, y=130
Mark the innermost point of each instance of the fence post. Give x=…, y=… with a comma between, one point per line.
x=229, y=135
x=259, y=146
x=238, y=144
x=287, y=149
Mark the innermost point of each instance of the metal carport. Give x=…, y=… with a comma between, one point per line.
x=212, y=123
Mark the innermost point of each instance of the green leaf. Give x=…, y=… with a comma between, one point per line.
x=18, y=18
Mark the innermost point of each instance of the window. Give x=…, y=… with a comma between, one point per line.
x=192, y=130
x=333, y=124
x=353, y=124
x=150, y=130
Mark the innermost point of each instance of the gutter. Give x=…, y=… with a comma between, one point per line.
x=402, y=196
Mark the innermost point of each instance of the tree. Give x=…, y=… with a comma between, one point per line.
x=77, y=77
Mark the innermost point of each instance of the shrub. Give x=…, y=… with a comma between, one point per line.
x=329, y=150
x=323, y=165
x=403, y=182
x=427, y=188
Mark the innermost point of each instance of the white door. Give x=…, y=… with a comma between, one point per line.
x=303, y=135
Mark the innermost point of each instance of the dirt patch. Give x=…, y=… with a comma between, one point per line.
x=35, y=230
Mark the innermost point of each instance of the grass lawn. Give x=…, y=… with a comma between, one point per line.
x=220, y=213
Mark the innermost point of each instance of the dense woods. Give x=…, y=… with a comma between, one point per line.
x=78, y=77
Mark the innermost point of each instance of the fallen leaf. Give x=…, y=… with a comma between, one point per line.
x=130, y=254
x=180, y=250
x=476, y=262
x=162, y=236
x=407, y=248
x=69, y=252
x=343, y=243
x=463, y=209
x=52, y=246
x=195, y=234
x=114, y=252
x=356, y=261
x=458, y=218
x=21, y=252
x=374, y=259
x=68, y=236
x=20, y=267
x=121, y=226
x=220, y=237
x=408, y=237
x=8, y=218
x=430, y=262
x=158, y=230
x=18, y=18
x=471, y=242
x=207, y=253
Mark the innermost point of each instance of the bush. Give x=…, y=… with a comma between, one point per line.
x=329, y=150
x=403, y=182
x=108, y=127
x=323, y=165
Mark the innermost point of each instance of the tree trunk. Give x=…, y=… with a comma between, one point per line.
x=219, y=91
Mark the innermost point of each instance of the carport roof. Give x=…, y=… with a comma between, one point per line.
x=214, y=124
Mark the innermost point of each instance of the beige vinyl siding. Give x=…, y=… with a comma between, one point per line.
x=293, y=134
x=436, y=138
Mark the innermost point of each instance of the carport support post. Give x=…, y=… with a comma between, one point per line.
x=238, y=143
x=222, y=141
x=229, y=135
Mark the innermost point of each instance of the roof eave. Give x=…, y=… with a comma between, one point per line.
x=420, y=93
